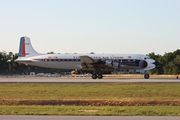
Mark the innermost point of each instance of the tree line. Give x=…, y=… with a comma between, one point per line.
x=8, y=66
x=169, y=64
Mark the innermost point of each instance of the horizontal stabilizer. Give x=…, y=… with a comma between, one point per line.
x=23, y=60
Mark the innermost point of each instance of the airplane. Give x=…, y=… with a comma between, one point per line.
x=94, y=62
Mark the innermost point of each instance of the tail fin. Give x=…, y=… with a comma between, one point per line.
x=25, y=48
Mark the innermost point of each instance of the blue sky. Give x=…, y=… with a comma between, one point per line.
x=84, y=26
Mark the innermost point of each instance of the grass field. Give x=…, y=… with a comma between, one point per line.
x=118, y=98
x=91, y=110
x=90, y=91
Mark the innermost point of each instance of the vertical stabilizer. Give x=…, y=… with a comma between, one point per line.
x=25, y=48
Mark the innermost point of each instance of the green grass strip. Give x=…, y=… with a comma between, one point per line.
x=92, y=110
x=90, y=91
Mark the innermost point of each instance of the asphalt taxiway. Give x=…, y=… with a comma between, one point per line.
x=85, y=80
x=35, y=117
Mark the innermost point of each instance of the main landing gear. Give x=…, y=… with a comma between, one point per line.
x=97, y=74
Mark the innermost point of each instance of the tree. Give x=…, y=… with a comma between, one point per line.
x=157, y=70
x=3, y=62
x=92, y=53
x=50, y=52
x=177, y=60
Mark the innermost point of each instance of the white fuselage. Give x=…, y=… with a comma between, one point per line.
x=72, y=61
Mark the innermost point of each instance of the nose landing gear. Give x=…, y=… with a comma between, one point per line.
x=146, y=76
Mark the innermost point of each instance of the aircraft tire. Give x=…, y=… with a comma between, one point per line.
x=146, y=76
x=100, y=76
x=94, y=76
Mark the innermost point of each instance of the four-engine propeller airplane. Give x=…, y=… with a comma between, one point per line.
x=95, y=62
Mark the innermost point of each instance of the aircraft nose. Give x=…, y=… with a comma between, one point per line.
x=156, y=63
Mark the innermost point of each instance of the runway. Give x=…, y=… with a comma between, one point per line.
x=30, y=117
x=85, y=80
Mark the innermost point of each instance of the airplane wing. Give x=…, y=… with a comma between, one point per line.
x=87, y=59
x=90, y=63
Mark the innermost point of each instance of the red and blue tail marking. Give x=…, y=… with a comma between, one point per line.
x=22, y=50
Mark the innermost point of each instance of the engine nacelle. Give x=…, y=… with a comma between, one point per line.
x=112, y=64
x=116, y=64
x=143, y=64
x=109, y=63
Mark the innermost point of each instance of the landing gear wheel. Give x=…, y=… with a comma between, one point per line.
x=146, y=76
x=94, y=76
x=100, y=76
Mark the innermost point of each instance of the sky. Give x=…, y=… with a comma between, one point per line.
x=84, y=26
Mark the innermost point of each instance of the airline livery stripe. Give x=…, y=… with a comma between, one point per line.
x=22, y=51
x=23, y=48
x=131, y=63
